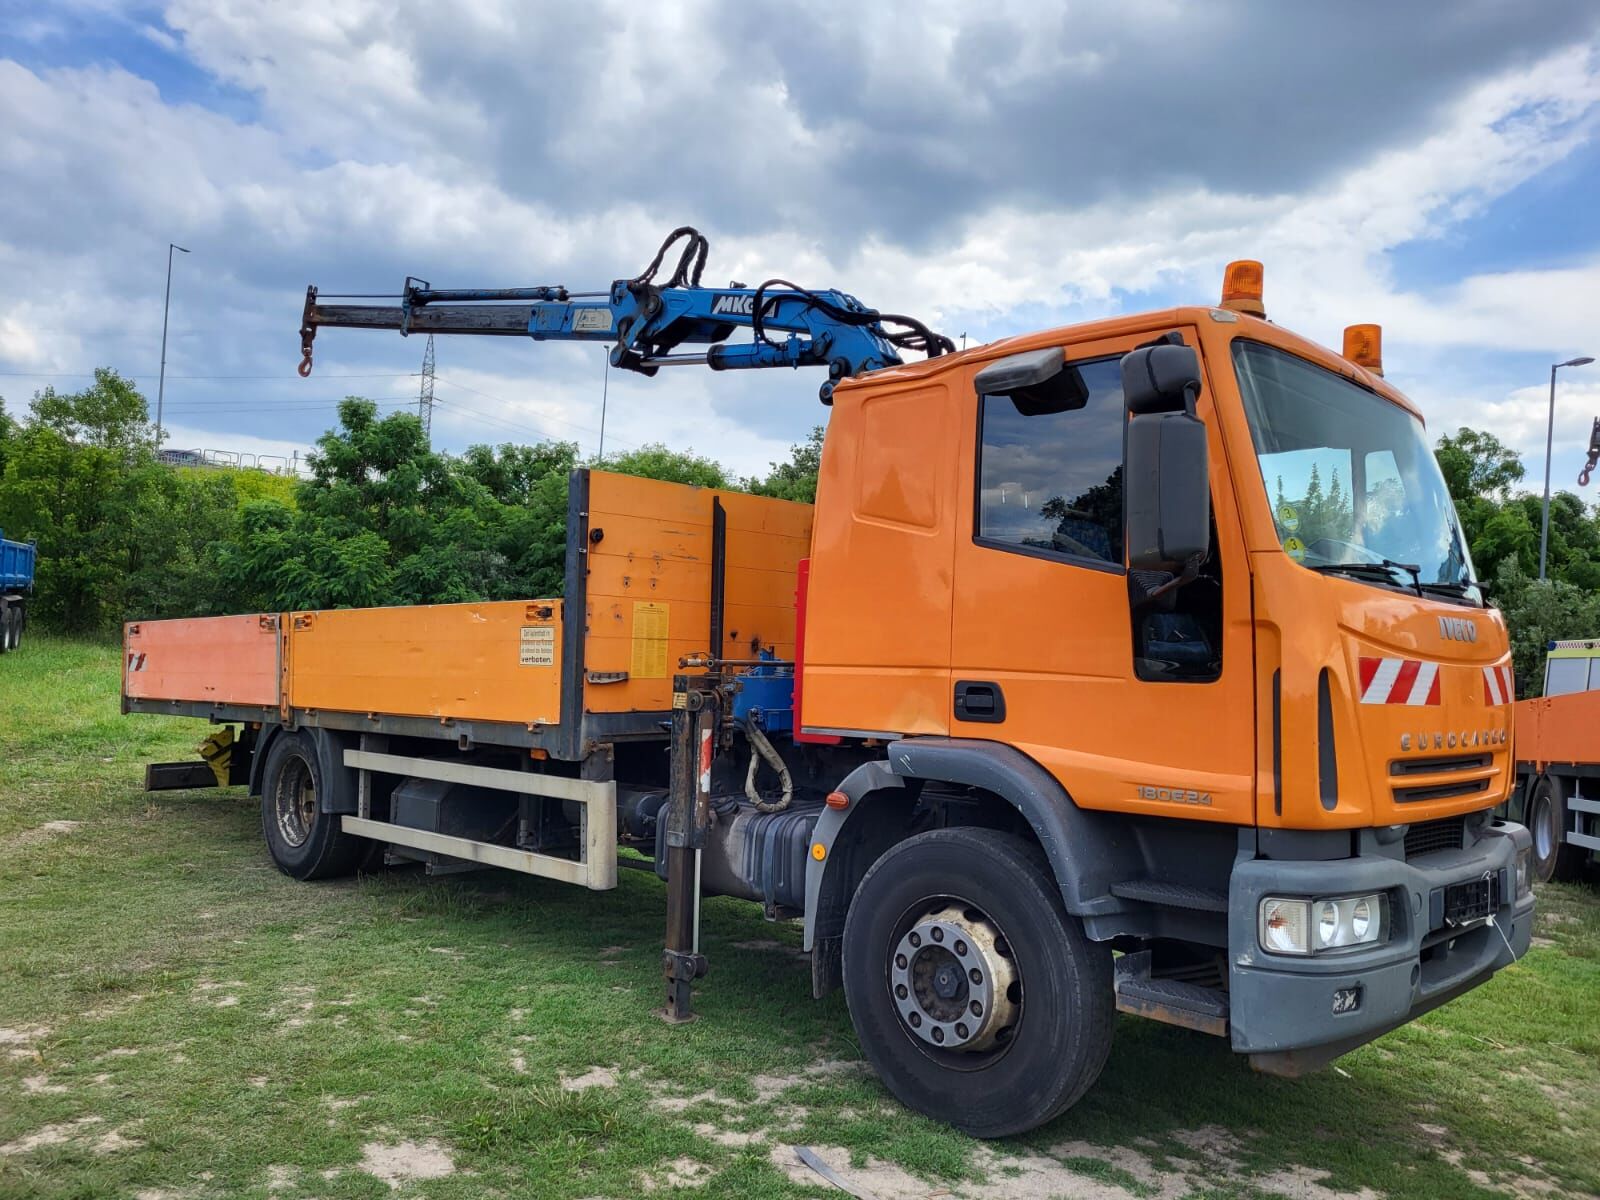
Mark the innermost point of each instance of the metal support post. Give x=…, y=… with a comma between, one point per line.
x=696, y=712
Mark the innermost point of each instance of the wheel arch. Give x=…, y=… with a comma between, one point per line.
x=1082, y=849
x=338, y=793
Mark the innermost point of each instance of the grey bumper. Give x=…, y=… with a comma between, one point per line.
x=1283, y=1007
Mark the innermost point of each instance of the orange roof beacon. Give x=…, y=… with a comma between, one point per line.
x=1136, y=666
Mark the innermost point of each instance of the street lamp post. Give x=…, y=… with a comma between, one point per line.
x=161, y=385
x=1549, y=438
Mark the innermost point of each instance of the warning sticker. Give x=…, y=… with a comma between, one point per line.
x=538, y=646
x=1288, y=518
x=1295, y=548
x=591, y=319
x=649, y=640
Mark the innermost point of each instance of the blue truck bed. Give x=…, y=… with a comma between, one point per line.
x=16, y=566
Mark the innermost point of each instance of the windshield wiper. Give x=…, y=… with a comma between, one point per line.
x=1459, y=588
x=1383, y=569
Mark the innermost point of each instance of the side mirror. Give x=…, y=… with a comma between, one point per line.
x=1168, y=487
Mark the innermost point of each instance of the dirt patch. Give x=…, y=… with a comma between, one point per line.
x=38, y=835
x=677, y=1104
x=75, y=1132
x=679, y=1173
x=49, y=1135
x=401, y=1162
x=594, y=1077
x=881, y=1180
x=26, y=1035
x=770, y=1087
x=1303, y=1183
x=733, y=1138
x=40, y=1085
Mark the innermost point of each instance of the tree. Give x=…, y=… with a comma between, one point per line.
x=1538, y=612
x=797, y=478
x=1478, y=465
x=655, y=461
x=110, y=413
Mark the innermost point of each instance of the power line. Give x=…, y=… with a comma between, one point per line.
x=286, y=376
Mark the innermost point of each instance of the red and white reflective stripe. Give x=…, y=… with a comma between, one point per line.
x=136, y=662
x=705, y=760
x=1399, y=681
x=1498, y=685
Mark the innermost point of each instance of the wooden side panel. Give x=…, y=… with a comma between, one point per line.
x=1558, y=729
x=649, y=583
x=496, y=661
x=223, y=660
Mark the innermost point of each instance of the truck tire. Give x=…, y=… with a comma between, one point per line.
x=974, y=994
x=19, y=622
x=304, y=841
x=5, y=629
x=1548, y=819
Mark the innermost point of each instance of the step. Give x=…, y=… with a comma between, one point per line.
x=1171, y=895
x=1174, y=1003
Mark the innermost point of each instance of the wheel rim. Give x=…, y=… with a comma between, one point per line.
x=1544, y=839
x=953, y=979
x=295, y=802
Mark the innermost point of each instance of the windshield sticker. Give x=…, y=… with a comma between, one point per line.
x=1288, y=518
x=1295, y=548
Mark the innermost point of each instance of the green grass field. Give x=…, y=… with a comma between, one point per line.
x=177, y=1019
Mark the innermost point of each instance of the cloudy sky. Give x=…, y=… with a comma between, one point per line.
x=994, y=168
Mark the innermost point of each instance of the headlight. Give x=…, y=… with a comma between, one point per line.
x=1312, y=926
x=1524, y=872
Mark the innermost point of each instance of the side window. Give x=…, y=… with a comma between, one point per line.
x=1563, y=676
x=1050, y=466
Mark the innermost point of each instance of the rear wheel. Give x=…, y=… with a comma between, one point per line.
x=974, y=994
x=1548, y=819
x=5, y=630
x=304, y=841
x=19, y=621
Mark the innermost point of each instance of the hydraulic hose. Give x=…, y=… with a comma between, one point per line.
x=760, y=746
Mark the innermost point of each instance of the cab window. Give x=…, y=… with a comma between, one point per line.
x=1050, y=467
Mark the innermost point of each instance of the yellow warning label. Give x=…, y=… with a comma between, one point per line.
x=1295, y=548
x=649, y=640
x=1288, y=518
x=538, y=646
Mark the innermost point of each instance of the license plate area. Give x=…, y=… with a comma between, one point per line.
x=1471, y=901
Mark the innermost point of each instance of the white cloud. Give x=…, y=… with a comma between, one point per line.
x=890, y=157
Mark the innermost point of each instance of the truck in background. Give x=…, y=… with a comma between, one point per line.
x=1136, y=666
x=1558, y=761
x=17, y=561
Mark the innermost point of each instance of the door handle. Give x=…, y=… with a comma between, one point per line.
x=980, y=700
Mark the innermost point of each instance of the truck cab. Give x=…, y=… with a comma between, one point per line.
x=1262, y=764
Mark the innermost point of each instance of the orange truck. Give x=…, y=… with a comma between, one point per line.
x=1136, y=666
x=1558, y=761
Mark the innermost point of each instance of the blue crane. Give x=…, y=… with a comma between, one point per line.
x=646, y=321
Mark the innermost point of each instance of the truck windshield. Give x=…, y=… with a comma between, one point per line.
x=1354, y=488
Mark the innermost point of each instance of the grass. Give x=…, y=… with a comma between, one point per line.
x=177, y=1019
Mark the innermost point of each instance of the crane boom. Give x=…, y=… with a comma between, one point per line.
x=646, y=321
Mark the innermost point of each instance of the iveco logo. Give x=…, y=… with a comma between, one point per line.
x=1458, y=629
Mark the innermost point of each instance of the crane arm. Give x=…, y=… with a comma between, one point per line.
x=646, y=322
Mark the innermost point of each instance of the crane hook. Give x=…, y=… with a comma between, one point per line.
x=308, y=331
x=1594, y=455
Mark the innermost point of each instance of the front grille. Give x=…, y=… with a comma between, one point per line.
x=1429, y=837
x=1440, y=791
x=1438, y=763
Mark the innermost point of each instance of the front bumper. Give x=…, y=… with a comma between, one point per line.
x=1283, y=1012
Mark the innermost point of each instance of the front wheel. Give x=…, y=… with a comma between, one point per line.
x=975, y=996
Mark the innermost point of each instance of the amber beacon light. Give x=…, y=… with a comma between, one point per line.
x=1242, y=283
x=1363, y=345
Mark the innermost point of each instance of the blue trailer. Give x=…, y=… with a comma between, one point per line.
x=16, y=585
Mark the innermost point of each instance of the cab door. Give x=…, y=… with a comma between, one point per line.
x=1134, y=706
